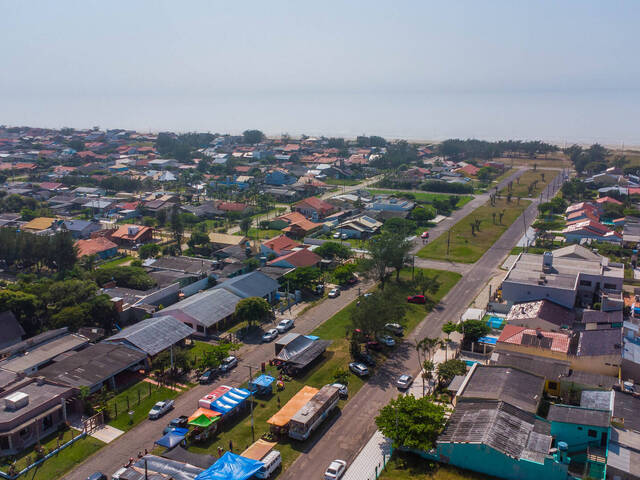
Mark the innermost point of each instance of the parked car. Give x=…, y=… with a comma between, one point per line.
x=270, y=464
x=367, y=295
x=335, y=470
x=336, y=235
x=404, y=381
x=334, y=293
x=160, y=408
x=284, y=325
x=269, y=335
x=344, y=236
x=387, y=340
x=181, y=422
x=374, y=346
x=359, y=369
x=394, y=328
x=424, y=234
x=228, y=363
x=366, y=358
x=343, y=391
x=208, y=376
x=97, y=476
x=420, y=299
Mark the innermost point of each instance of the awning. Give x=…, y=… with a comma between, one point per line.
x=207, y=400
x=263, y=381
x=230, y=400
x=204, y=411
x=259, y=449
x=173, y=438
x=203, y=421
x=231, y=467
x=298, y=401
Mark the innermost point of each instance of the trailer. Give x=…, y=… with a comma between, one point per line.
x=309, y=417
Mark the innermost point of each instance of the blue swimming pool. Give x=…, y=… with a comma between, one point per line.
x=495, y=322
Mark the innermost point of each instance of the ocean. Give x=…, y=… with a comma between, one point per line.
x=608, y=117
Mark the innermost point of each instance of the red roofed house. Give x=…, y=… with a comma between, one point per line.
x=589, y=229
x=243, y=168
x=315, y=208
x=130, y=235
x=608, y=200
x=299, y=225
x=51, y=186
x=280, y=245
x=298, y=259
x=100, y=246
x=232, y=206
x=534, y=342
x=469, y=170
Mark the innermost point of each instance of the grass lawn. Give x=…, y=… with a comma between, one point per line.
x=521, y=189
x=116, y=262
x=336, y=357
x=425, y=197
x=261, y=234
x=148, y=398
x=466, y=248
x=348, y=182
x=507, y=172
x=406, y=466
x=58, y=465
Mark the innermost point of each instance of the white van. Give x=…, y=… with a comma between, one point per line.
x=271, y=463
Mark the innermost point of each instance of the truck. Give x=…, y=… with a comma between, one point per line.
x=309, y=417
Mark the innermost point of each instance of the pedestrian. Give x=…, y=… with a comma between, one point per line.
x=139, y=454
x=146, y=452
x=230, y=446
x=219, y=451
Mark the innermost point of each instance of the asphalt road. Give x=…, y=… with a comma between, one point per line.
x=115, y=454
x=344, y=436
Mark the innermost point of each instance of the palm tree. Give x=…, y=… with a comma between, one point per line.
x=425, y=346
x=427, y=373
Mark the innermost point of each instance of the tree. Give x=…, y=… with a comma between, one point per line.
x=197, y=238
x=177, y=227
x=343, y=273
x=423, y=215
x=149, y=250
x=380, y=256
x=448, y=328
x=301, y=278
x=412, y=422
x=252, y=310
x=331, y=250
x=427, y=373
x=373, y=312
x=449, y=369
x=245, y=225
x=472, y=330
x=426, y=347
x=400, y=226
x=252, y=136
x=426, y=283
x=341, y=375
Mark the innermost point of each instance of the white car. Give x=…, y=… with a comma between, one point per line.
x=387, y=340
x=359, y=369
x=344, y=236
x=160, y=409
x=394, y=328
x=269, y=335
x=404, y=381
x=336, y=235
x=335, y=470
x=284, y=325
x=228, y=363
x=334, y=293
x=343, y=391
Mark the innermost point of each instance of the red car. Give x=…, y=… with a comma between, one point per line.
x=417, y=299
x=425, y=234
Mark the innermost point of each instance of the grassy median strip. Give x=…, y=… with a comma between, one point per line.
x=468, y=247
x=238, y=430
x=520, y=186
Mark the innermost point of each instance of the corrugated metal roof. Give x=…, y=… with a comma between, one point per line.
x=207, y=308
x=153, y=335
x=253, y=284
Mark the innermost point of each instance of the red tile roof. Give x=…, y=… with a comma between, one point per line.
x=94, y=246
x=469, y=169
x=299, y=258
x=280, y=243
x=316, y=204
x=232, y=206
x=514, y=334
x=123, y=232
x=609, y=200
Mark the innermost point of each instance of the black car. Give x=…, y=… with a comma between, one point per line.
x=366, y=358
x=97, y=476
x=208, y=376
x=180, y=422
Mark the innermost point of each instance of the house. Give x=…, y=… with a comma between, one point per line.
x=39, y=224
x=81, y=228
x=390, y=204
x=163, y=163
x=468, y=170
x=542, y=314
x=280, y=245
x=631, y=231
x=297, y=259
x=314, y=208
x=359, y=227
x=153, y=335
x=590, y=230
x=89, y=191
x=100, y=246
x=623, y=459
x=223, y=240
x=564, y=281
x=205, y=210
x=253, y=284
x=33, y=409
x=95, y=366
x=298, y=226
x=11, y=332
x=205, y=312
x=236, y=207
x=279, y=178
x=130, y=235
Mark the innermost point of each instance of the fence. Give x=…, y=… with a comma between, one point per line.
x=122, y=404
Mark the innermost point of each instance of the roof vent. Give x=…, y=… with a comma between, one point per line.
x=16, y=401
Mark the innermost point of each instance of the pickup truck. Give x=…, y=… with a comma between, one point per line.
x=160, y=408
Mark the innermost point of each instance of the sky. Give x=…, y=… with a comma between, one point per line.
x=117, y=50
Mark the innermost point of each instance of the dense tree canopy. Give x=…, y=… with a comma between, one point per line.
x=252, y=310
x=331, y=250
x=471, y=148
x=252, y=136
x=373, y=311
x=26, y=250
x=124, y=276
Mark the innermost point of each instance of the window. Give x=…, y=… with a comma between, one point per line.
x=592, y=433
x=585, y=283
x=200, y=329
x=553, y=385
x=610, y=286
x=4, y=443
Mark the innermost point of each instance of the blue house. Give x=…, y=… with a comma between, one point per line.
x=279, y=178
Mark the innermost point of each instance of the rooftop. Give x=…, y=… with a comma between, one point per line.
x=543, y=310
x=39, y=393
x=153, y=335
x=607, y=341
x=207, y=308
x=43, y=353
x=579, y=415
x=253, y=284
x=555, y=341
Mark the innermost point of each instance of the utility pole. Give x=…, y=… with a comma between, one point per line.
x=448, y=240
x=250, y=367
x=524, y=223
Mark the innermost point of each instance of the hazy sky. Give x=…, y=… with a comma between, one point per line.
x=76, y=49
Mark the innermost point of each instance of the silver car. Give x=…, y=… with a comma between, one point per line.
x=404, y=381
x=269, y=335
x=335, y=470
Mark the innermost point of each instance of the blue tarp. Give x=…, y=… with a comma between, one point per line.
x=173, y=438
x=263, y=381
x=231, y=467
x=230, y=400
x=312, y=337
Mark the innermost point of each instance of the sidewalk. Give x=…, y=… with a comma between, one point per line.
x=371, y=460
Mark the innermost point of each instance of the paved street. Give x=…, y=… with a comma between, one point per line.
x=112, y=456
x=357, y=417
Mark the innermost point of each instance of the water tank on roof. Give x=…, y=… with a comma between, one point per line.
x=16, y=400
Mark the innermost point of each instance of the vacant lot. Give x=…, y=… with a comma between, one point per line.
x=520, y=186
x=405, y=466
x=425, y=197
x=466, y=247
x=238, y=430
x=553, y=160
